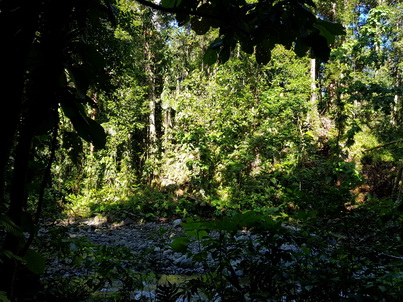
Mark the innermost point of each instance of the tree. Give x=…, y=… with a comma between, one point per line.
x=51, y=63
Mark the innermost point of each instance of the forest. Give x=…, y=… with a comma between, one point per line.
x=201, y=150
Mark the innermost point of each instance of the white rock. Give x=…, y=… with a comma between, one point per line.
x=176, y=223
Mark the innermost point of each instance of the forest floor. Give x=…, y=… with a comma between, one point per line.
x=139, y=248
x=135, y=258
x=148, y=240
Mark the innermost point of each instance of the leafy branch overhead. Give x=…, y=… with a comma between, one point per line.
x=256, y=26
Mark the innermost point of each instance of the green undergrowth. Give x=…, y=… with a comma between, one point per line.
x=315, y=184
x=143, y=204
x=247, y=256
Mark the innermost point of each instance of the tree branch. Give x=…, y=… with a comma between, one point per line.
x=384, y=145
x=175, y=10
x=42, y=188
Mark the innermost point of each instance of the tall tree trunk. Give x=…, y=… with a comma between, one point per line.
x=40, y=101
x=152, y=98
x=313, y=114
x=18, y=201
x=18, y=23
x=152, y=129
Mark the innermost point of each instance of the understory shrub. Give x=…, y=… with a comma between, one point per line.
x=253, y=257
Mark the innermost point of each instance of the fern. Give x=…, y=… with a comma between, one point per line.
x=9, y=225
x=167, y=293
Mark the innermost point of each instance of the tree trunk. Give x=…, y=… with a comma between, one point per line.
x=313, y=114
x=18, y=201
x=17, y=28
x=150, y=77
x=38, y=91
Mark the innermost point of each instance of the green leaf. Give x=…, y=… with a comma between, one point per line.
x=210, y=56
x=334, y=28
x=306, y=250
x=329, y=30
x=81, y=79
x=90, y=131
x=247, y=45
x=180, y=244
x=35, y=262
x=319, y=46
x=201, y=234
x=263, y=52
x=9, y=225
x=225, y=54
x=301, y=48
x=10, y=255
x=200, y=26
x=170, y=3
x=87, y=128
x=73, y=144
x=3, y=297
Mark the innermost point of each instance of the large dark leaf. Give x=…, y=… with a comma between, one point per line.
x=225, y=53
x=319, y=46
x=9, y=225
x=82, y=77
x=263, y=52
x=199, y=25
x=259, y=26
x=210, y=56
x=329, y=30
x=73, y=144
x=170, y=3
x=86, y=128
x=35, y=262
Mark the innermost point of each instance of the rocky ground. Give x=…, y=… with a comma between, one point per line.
x=151, y=240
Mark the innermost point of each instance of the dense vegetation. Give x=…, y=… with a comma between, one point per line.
x=274, y=135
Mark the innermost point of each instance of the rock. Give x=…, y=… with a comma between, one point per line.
x=176, y=223
x=183, y=261
x=99, y=220
x=128, y=221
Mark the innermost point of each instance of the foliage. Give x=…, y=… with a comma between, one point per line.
x=85, y=268
x=256, y=26
x=256, y=257
x=3, y=297
x=128, y=110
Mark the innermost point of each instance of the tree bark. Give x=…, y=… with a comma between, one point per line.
x=32, y=101
x=18, y=23
x=313, y=113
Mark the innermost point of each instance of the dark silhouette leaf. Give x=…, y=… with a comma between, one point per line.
x=210, y=56
x=87, y=128
x=200, y=26
x=35, y=262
